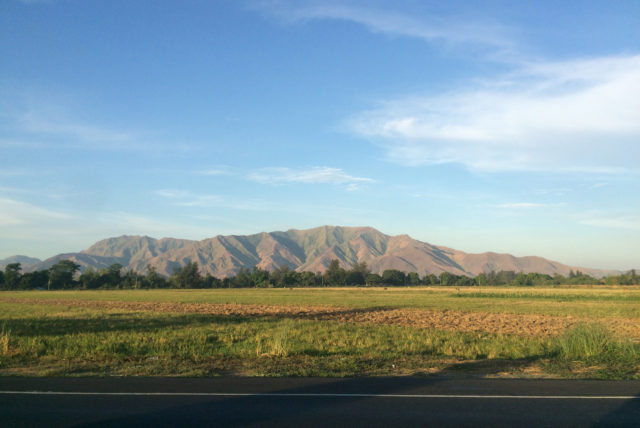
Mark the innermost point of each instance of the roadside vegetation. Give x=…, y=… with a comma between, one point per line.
x=509, y=332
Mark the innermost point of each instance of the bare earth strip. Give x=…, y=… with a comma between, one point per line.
x=519, y=324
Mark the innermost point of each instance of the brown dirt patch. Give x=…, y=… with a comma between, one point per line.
x=519, y=324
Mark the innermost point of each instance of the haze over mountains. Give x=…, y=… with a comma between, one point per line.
x=303, y=250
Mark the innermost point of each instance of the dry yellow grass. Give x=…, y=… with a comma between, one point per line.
x=538, y=325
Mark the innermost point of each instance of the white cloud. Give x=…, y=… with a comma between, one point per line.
x=201, y=201
x=611, y=221
x=314, y=175
x=37, y=123
x=14, y=212
x=39, y=119
x=572, y=116
x=173, y=193
x=431, y=27
x=186, y=198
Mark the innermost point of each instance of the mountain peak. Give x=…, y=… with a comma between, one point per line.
x=304, y=250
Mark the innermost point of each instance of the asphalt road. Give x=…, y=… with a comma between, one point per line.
x=303, y=402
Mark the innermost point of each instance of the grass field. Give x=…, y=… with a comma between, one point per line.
x=582, y=332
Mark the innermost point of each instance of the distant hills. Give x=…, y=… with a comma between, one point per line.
x=302, y=250
x=25, y=262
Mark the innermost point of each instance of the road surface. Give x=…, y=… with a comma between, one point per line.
x=303, y=402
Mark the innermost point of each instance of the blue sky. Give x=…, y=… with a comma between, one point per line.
x=483, y=126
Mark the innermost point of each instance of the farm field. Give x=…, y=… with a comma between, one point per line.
x=566, y=332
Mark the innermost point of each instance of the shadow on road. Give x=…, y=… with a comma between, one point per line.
x=288, y=410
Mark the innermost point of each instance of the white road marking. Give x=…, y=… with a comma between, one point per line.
x=317, y=395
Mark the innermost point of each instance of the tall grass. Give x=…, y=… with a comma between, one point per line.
x=5, y=338
x=594, y=343
x=584, y=342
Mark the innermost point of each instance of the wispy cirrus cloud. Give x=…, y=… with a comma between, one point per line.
x=38, y=119
x=15, y=212
x=611, y=221
x=187, y=198
x=571, y=116
x=314, y=175
x=213, y=172
x=431, y=26
x=37, y=123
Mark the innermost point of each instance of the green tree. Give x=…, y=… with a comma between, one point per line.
x=243, y=279
x=187, y=276
x=113, y=276
x=354, y=277
x=535, y=278
x=393, y=277
x=12, y=275
x=446, y=278
x=464, y=281
x=413, y=278
x=357, y=274
x=210, y=281
x=153, y=279
x=522, y=279
x=492, y=278
x=373, y=279
x=90, y=279
x=34, y=280
x=309, y=279
x=335, y=275
x=431, y=279
x=283, y=276
x=505, y=277
x=289, y=278
x=132, y=279
x=559, y=279
x=61, y=275
x=260, y=277
x=481, y=279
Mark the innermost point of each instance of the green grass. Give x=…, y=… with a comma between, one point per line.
x=559, y=297
x=144, y=344
x=591, y=346
x=47, y=339
x=581, y=301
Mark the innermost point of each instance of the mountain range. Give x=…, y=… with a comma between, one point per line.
x=303, y=250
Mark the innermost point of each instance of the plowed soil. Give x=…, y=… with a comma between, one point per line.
x=519, y=324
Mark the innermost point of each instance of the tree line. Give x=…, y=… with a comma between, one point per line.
x=66, y=275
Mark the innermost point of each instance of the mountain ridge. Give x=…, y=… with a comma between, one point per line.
x=302, y=250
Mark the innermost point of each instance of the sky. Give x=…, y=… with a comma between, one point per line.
x=500, y=126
